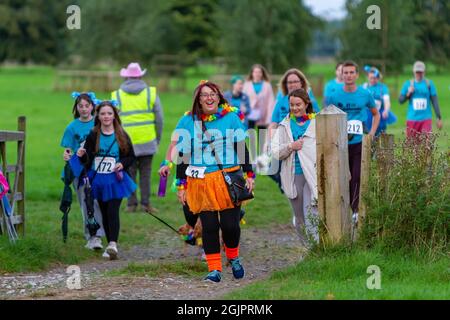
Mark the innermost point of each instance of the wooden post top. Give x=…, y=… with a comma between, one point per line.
x=331, y=109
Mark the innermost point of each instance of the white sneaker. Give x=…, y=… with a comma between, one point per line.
x=89, y=244
x=111, y=249
x=105, y=255
x=97, y=243
x=355, y=218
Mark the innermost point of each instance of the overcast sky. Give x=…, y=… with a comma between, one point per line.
x=329, y=9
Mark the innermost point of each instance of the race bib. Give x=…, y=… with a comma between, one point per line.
x=378, y=104
x=354, y=127
x=106, y=166
x=196, y=172
x=419, y=104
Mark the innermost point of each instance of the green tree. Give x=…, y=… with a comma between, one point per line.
x=194, y=20
x=395, y=44
x=432, y=20
x=32, y=30
x=273, y=33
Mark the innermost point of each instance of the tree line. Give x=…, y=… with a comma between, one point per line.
x=275, y=33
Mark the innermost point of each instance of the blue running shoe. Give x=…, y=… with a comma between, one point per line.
x=214, y=276
x=238, y=269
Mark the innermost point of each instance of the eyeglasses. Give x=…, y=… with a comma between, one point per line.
x=211, y=95
x=293, y=82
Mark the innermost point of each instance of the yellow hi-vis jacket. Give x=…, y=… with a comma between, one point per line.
x=137, y=115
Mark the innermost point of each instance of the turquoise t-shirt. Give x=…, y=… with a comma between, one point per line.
x=419, y=105
x=330, y=89
x=257, y=86
x=281, y=108
x=355, y=104
x=76, y=133
x=224, y=132
x=105, y=144
x=297, y=132
x=378, y=91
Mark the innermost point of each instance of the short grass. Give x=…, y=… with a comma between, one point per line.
x=28, y=91
x=344, y=275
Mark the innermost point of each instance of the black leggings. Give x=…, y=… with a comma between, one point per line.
x=229, y=224
x=111, y=222
x=354, y=157
x=191, y=218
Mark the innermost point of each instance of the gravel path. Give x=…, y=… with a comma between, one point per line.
x=262, y=250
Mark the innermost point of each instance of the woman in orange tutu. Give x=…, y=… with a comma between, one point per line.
x=213, y=131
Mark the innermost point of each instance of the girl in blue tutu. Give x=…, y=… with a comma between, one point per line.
x=107, y=154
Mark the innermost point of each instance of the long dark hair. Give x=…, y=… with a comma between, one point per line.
x=83, y=96
x=121, y=136
x=302, y=94
x=196, y=106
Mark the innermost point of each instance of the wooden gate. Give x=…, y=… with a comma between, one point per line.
x=15, y=174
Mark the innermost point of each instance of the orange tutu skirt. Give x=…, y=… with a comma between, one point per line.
x=210, y=193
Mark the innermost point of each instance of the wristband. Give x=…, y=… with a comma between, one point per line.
x=166, y=163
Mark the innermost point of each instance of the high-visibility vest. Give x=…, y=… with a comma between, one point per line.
x=137, y=114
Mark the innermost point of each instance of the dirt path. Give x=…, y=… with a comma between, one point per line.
x=262, y=250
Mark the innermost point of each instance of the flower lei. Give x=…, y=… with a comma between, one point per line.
x=224, y=109
x=303, y=118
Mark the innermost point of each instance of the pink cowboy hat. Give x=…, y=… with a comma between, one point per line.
x=132, y=71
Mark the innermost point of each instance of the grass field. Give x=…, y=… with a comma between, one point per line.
x=343, y=275
x=28, y=92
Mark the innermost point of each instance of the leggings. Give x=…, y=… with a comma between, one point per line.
x=297, y=204
x=354, y=157
x=111, y=222
x=229, y=224
x=191, y=218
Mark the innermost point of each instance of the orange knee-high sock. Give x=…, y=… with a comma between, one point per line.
x=232, y=253
x=214, y=261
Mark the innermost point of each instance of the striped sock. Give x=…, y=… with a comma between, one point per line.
x=214, y=261
x=232, y=253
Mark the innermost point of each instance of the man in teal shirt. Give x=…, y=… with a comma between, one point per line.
x=355, y=100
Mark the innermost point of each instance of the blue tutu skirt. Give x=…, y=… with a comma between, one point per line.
x=76, y=165
x=106, y=187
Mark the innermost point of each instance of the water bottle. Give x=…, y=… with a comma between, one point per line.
x=162, y=186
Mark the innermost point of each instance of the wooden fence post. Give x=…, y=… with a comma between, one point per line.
x=366, y=156
x=21, y=127
x=385, y=158
x=333, y=174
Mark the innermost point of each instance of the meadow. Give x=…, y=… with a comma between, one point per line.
x=29, y=91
